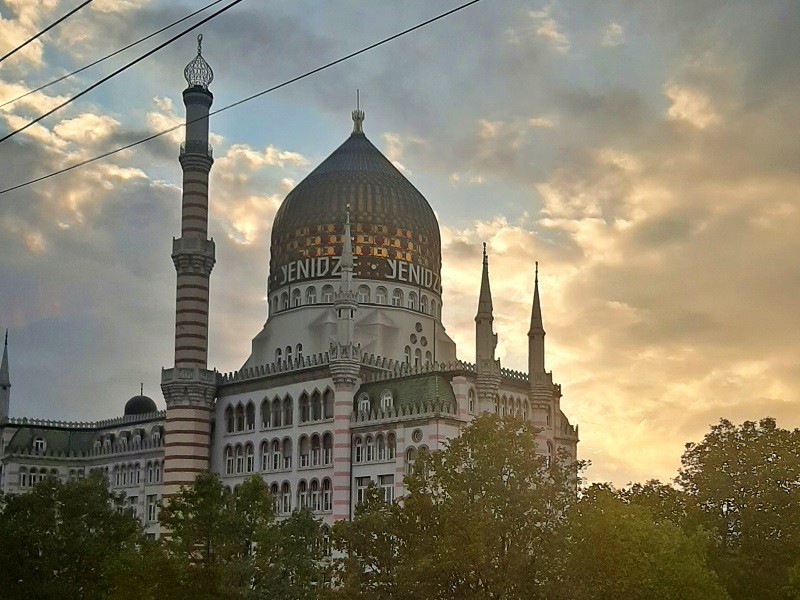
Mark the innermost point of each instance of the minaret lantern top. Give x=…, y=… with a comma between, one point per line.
x=198, y=72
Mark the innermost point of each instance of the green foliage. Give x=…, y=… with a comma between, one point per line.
x=61, y=539
x=618, y=549
x=742, y=484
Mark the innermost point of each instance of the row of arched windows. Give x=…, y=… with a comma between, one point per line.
x=128, y=440
x=312, y=495
x=280, y=412
x=374, y=448
x=289, y=356
x=421, y=302
x=278, y=455
x=512, y=406
x=30, y=476
x=417, y=356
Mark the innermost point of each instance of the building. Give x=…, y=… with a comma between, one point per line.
x=352, y=375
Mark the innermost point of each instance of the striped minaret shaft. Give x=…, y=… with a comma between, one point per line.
x=189, y=387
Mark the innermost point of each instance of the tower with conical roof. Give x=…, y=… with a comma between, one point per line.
x=540, y=381
x=486, y=365
x=5, y=383
x=189, y=387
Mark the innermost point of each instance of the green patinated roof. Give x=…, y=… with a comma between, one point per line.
x=64, y=441
x=409, y=391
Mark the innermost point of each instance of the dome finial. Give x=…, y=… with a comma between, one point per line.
x=358, y=115
x=198, y=73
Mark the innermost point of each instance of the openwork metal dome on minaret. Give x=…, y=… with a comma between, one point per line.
x=198, y=73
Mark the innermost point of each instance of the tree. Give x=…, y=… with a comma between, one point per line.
x=474, y=523
x=60, y=540
x=619, y=550
x=742, y=484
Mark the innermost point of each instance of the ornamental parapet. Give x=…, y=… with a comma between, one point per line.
x=196, y=147
x=103, y=424
x=432, y=409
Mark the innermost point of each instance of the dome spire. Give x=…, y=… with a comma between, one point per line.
x=358, y=115
x=198, y=73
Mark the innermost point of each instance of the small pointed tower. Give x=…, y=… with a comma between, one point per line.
x=345, y=365
x=5, y=384
x=189, y=387
x=540, y=381
x=486, y=365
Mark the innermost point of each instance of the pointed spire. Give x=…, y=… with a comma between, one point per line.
x=536, y=311
x=4, y=376
x=358, y=115
x=485, y=298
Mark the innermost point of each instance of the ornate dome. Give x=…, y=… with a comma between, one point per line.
x=395, y=232
x=140, y=405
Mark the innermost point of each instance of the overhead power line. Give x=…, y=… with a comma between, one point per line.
x=112, y=55
x=149, y=138
x=118, y=71
x=45, y=30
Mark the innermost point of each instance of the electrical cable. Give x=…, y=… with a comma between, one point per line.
x=45, y=30
x=118, y=71
x=242, y=101
x=112, y=55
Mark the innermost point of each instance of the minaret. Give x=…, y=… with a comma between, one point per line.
x=538, y=378
x=486, y=365
x=189, y=387
x=5, y=384
x=345, y=364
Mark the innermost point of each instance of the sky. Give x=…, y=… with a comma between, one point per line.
x=646, y=154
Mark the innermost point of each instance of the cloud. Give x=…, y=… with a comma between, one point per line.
x=613, y=35
x=690, y=106
x=542, y=25
x=86, y=128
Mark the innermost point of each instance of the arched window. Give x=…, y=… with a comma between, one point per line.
x=264, y=450
x=397, y=297
x=158, y=471
x=239, y=458
x=387, y=400
x=278, y=355
x=316, y=453
x=370, y=446
x=297, y=299
x=391, y=443
x=276, y=412
x=150, y=472
x=123, y=475
x=327, y=294
x=23, y=477
x=304, y=451
x=417, y=358
x=327, y=401
x=273, y=490
x=303, y=405
x=471, y=401
x=407, y=354
x=138, y=470
x=363, y=403
x=276, y=455
x=423, y=304
x=327, y=449
x=299, y=352
x=411, y=456
x=316, y=406
x=550, y=454
x=380, y=442
x=412, y=301
x=284, y=301
x=286, y=498
x=274, y=305
x=239, y=418
x=381, y=295
x=265, y=413
x=249, y=458
x=251, y=416
x=302, y=494
x=287, y=453
x=228, y=460
x=311, y=295
x=358, y=446
x=363, y=294
x=229, y=422
x=289, y=356
x=287, y=410
x=315, y=504
x=327, y=495
x=428, y=357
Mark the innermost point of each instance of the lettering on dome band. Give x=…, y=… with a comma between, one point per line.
x=321, y=267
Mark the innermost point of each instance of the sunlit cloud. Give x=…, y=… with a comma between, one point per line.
x=690, y=106
x=613, y=35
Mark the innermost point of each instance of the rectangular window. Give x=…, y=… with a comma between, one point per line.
x=361, y=488
x=133, y=505
x=315, y=457
x=304, y=460
x=327, y=456
x=249, y=463
x=327, y=504
x=152, y=508
x=386, y=483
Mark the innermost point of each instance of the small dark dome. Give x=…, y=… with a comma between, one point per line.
x=391, y=221
x=140, y=405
